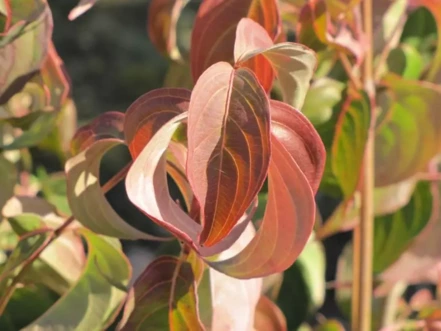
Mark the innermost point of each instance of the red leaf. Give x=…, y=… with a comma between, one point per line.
x=147, y=189
x=214, y=29
x=228, y=146
x=163, y=16
x=269, y=317
x=293, y=63
x=154, y=304
x=287, y=223
x=150, y=112
x=300, y=139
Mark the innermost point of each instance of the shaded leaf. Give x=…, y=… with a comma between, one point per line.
x=8, y=179
x=349, y=143
x=269, y=317
x=330, y=325
x=162, y=19
x=303, y=287
x=53, y=187
x=215, y=25
x=410, y=132
x=152, y=304
x=93, y=302
x=292, y=63
x=84, y=191
x=434, y=73
x=406, y=62
x=394, y=233
x=228, y=150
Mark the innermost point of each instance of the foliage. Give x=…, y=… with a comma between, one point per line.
x=263, y=108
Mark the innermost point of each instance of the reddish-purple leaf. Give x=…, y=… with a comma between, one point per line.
x=162, y=299
x=292, y=63
x=150, y=112
x=84, y=191
x=214, y=29
x=162, y=19
x=300, y=139
x=147, y=189
x=228, y=146
x=287, y=224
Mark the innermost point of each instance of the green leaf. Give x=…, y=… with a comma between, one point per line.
x=323, y=95
x=94, y=301
x=303, y=287
x=153, y=306
x=8, y=179
x=330, y=325
x=53, y=187
x=349, y=143
x=26, y=304
x=406, y=62
x=393, y=233
x=410, y=130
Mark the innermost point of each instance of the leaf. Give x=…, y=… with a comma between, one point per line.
x=84, y=191
x=147, y=189
x=409, y=133
x=303, y=287
x=406, y=62
x=93, y=302
x=316, y=29
x=53, y=187
x=25, y=248
x=300, y=139
x=349, y=143
x=228, y=146
x=8, y=179
x=268, y=316
x=25, y=45
x=81, y=8
x=330, y=325
x=26, y=304
x=162, y=19
x=393, y=233
x=215, y=25
x=287, y=223
x=154, y=306
x=237, y=314
x=293, y=64
x=323, y=95
x=434, y=73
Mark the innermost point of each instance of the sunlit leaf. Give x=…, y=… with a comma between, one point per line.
x=153, y=305
x=268, y=316
x=25, y=45
x=162, y=20
x=147, y=189
x=93, y=302
x=228, y=146
x=303, y=287
x=81, y=8
x=84, y=191
x=292, y=63
x=323, y=95
x=406, y=62
x=300, y=139
x=215, y=29
x=316, y=29
x=394, y=233
x=330, y=325
x=411, y=131
x=349, y=143
x=287, y=224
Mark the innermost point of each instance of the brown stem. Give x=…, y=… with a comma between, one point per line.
x=355, y=81
x=363, y=233
x=54, y=235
